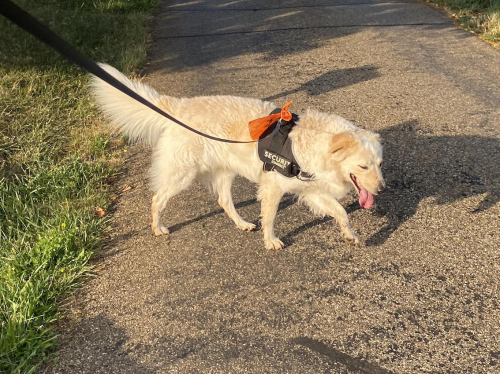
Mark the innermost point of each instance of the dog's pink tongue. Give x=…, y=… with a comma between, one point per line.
x=365, y=198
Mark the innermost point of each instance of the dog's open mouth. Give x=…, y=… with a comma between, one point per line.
x=365, y=196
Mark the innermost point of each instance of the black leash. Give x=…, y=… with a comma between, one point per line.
x=30, y=24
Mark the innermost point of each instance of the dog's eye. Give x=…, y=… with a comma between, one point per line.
x=363, y=167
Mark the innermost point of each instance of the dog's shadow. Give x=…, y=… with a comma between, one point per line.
x=419, y=165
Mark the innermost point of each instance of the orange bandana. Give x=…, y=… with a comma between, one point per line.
x=258, y=126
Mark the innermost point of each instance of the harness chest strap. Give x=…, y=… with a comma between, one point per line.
x=275, y=149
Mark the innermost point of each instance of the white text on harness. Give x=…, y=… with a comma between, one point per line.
x=277, y=159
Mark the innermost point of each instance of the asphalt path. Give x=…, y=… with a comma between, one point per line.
x=419, y=295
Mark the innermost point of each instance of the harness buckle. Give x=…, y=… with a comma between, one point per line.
x=305, y=177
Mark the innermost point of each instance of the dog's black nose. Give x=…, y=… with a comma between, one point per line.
x=381, y=190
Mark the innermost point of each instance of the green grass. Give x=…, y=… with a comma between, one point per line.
x=481, y=17
x=56, y=163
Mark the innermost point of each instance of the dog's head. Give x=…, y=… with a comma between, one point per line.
x=358, y=157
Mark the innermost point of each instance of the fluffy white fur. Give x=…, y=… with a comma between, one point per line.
x=330, y=147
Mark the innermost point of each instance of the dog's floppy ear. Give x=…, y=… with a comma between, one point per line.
x=343, y=144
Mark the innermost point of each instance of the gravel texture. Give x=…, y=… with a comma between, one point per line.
x=419, y=295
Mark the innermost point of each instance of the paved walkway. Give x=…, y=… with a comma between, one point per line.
x=420, y=295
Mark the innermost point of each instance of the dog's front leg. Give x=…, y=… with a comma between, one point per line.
x=326, y=205
x=270, y=197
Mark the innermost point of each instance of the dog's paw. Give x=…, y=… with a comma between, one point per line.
x=160, y=230
x=246, y=226
x=275, y=244
x=351, y=240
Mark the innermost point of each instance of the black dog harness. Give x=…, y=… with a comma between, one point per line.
x=275, y=149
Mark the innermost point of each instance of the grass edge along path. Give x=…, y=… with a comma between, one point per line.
x=56, y=164
x=481, y=17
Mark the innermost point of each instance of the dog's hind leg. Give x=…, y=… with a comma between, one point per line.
x=222, y=183
x=176, y=184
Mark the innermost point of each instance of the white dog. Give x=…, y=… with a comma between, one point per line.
x=340, y=155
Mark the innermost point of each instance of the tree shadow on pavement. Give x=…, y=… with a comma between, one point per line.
x=218, y=31
x=106, y=350
x=332, y=80
x=418, y=165
x=226, y=34
x=352, y=364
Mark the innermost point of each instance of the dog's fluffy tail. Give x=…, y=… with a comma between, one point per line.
x=127, y=115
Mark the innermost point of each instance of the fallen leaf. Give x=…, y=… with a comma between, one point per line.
x=100, y=212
